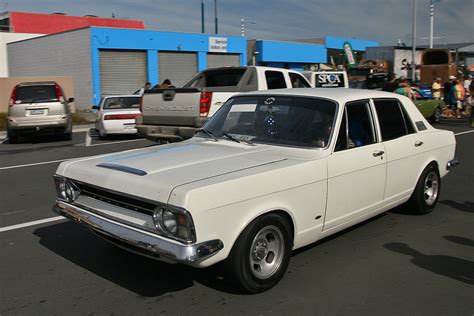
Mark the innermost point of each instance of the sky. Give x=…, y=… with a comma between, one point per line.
x=384, y=21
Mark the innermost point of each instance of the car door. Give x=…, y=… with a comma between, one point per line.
x=356, y=168
x=404, y=148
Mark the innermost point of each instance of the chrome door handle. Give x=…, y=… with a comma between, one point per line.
x=378, y=153
x=418, y=143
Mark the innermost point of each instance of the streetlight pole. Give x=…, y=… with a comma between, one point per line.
x=215, y=15
x=242, y=26
x=202, y=16
x=432, y=2
x=413, y=53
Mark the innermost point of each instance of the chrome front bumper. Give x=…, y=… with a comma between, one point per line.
x=138, y=241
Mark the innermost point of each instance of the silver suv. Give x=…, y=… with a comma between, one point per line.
x=38, y=107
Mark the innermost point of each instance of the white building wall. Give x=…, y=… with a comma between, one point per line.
x=6, y=38
x=61, y=54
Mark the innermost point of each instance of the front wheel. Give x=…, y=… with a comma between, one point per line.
x=261, y=254
x=426, y=194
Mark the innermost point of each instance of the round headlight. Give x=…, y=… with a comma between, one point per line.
x=69, y=192
x=169, y=221
x=62, y=189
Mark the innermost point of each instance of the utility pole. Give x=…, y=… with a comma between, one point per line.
x=215, y=15
x=413, y=53
x=432, y=2
x=202, y=16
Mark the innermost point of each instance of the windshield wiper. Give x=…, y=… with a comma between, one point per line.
x=232, y=138
x=209, y=133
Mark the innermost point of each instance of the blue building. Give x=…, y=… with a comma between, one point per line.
x=303, y=53
x=108, y=61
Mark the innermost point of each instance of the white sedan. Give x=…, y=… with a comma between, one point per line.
x=270, y=172
x=116, y=115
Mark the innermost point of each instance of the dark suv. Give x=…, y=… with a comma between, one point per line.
x=38, y=106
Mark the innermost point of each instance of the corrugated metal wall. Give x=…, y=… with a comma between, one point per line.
x=64, y=54
x=215, y=60
x=122, y=72
x=178, y=67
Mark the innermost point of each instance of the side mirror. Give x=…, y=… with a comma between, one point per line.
x=70, y=100
x=95, y=107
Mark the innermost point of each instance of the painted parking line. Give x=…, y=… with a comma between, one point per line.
x=35, y=164
x=461, y=133
x=41, y=221
x=111, y=143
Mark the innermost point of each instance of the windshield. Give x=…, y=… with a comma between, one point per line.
x=122, y=103
x=278, y=120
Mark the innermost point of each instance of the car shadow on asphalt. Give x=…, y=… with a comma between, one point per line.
x=455, y=268
x=467, y=206
x=143, y=276
x=336, y=235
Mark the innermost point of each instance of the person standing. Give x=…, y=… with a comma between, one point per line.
x=459, y=94
x=436, y=89
x=448, y=97
x=147, y=86
x=467, y=91
x=404, y=88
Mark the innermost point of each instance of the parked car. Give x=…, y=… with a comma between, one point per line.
x=174, y=114
x=270, y=172
x=431, y=109
x=38, y=107
x=116, y=114
x=327, y=79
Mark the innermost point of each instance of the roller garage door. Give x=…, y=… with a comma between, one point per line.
x=122, y=72
x=222, y=60
x=178, y=67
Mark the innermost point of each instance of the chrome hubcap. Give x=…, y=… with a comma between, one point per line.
x=431, y=188
x=266, y=252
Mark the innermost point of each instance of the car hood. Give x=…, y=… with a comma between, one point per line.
x=153, y=172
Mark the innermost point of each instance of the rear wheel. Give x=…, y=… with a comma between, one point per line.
x=261, y=254
x=12, y=136
x=426, y=194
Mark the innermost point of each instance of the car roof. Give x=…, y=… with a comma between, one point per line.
x=36, y=83
x=337, y=94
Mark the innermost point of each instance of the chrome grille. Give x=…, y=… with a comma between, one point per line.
x=117, y=199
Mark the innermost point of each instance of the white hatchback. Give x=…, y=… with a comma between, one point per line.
x=116, y=115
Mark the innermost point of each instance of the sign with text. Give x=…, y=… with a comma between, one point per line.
x=349, y=54
x=218, y=44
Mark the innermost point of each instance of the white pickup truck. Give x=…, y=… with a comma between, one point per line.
x=174, y=114
x=327, y=79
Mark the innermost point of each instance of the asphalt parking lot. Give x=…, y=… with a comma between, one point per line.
x=393, y=264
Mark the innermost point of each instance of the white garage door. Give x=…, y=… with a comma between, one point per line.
x=178, y=67
x=122, y=72
x=222, y=60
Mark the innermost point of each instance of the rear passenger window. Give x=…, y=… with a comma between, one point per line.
x=392, y=119
x=298, y=81
x=356, y=129
x=275, y=80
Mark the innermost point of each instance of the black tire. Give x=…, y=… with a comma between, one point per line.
x=67, y=136
x=255, y=271
x=426, y=193
x=12, y=136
